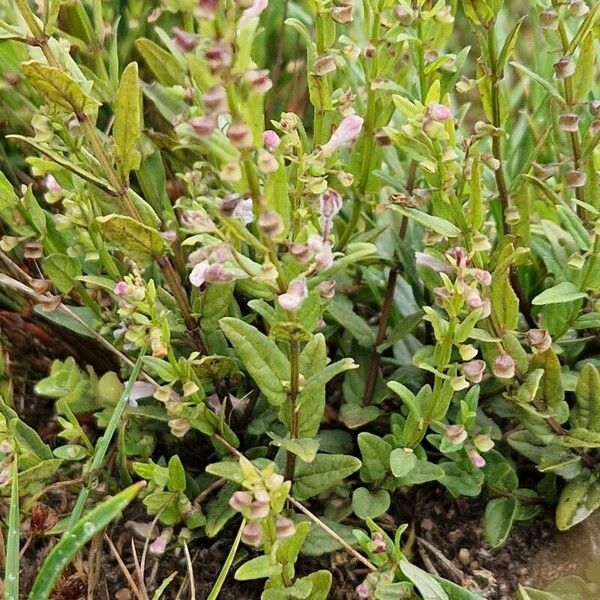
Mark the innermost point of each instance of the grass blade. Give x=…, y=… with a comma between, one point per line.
x=216, y=589
x=103, y=442
x=11, y=575
x=72, y=543
x=163, y=586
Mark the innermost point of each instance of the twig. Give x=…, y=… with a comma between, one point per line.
x=190, y=567
x=123, y=568
x=450, y=567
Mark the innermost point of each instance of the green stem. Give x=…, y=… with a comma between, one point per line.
x=293, y=396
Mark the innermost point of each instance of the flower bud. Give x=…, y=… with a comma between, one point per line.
x=484, y=278
x=51, y=184
x=481, y=243
x=483, y=443
x=445, y=16
x=342, y=14
x=240, y=500
x=404, y=14
x=270, y=224
x=202, y=126
x=271, y=140
x=259, y=81
x=569, y=122
x=301, y=252
x=252, y=534
x=215, y=100
x=472, y=298
x=473, y=370
x=595, y=107
x=504, y=366
x=326, y=289
x=179, y=427
x=330, y=204
x=348, y=130
x=218, y=56
x=467, y=351
x=578, y=8
x=231, y=171
x=205, y=272
x=548, y=19
x=512, y=215
x=575, y=179
x=325, y=64
x=439, y=112
x=458, y=382
x=595, y=128
x=476, y=459
x=284, y=527
x=539, y=339
x=208, y=8
x=240, y=135
x=543, y=171
x=183, y=40
x=266, y=162
x=564, y=67
x=254, y=9
x=295, y=296
x=274, y=481
x=441, y=294
x=456, y=434
x=379, y=546
x=121, y=288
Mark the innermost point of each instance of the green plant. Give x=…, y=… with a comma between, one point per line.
x=334, y=254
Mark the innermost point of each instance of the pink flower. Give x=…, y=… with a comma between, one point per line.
x=284, y=527
x=539, y=339
x=243, y=211
x=348, y=130
x=259, y=80
x=208, y=8
x=51, y=184
x=254, y=11
x=240, y=500
x=473, y=370
x=259, y=509
x=363, y=590
x=185, y=42
x=427, y=260
x=439, y=112
x=483, y=277
x=202, y=126
x=330, y=203
x=215, y=100
x=476, y=459
x=252, y=534
x=504, y=367
x=327, y=289
x=378, y=543
x=322, y=251
x=456, y=434
x=295, y=296
x=121, y=288
x=205, y=272
x=271, y=140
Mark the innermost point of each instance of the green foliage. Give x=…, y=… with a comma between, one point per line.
x=390, y=282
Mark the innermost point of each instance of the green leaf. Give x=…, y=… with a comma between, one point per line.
x=456, y=592
x=26, y=437
x=163, y=65
x=526, y=593
x=499, y=517
x=370, y=505
x=58, y=88
x=436, y=224
x=326, y=471
x=127, y=129
x=320, y=584
x=260, y=567
x=540, y=81
x=62, y=270
x=588, y=321
x=176, y=481
x=508, y=47
x=277, y=197
x=428, y=587
x=375, y=452
x=574, y=226
x=505, y=304
x=262, y=358
x=352, y=323
x=559, y=294
x=402, y=462
x=139, y=242
x=422, y=473
x=586, y=412
x=577, y=501
x=13, y=544
x=304, y=448
x=70, y=319
x=84, y=530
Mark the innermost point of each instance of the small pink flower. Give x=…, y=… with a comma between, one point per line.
x=439, y=112
x=51, y=184
x=208, y=8
x=243, y=211
x=259, y=81
x=504, y=366
x=483, y=277
x=218, y=56
x=205, y=272
x=252, y=534
x=271, y=140
x=456, y=434
x=323, y=254
x=427, y=260
x=378, y=543
x=472, y=298
x=240, y=135
x=539, y=339
x=326, y=289
x=348, y=130
x=330, y=203
x=473, y=370
x=121, y=288
x=215, y=100
x=476, y=459
x=295, y=296
x=259, y=509
x=240, y=500
x=202, y=126
x=185, y=41
x=270, y=224
x=284, y=527
x=363, y=591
